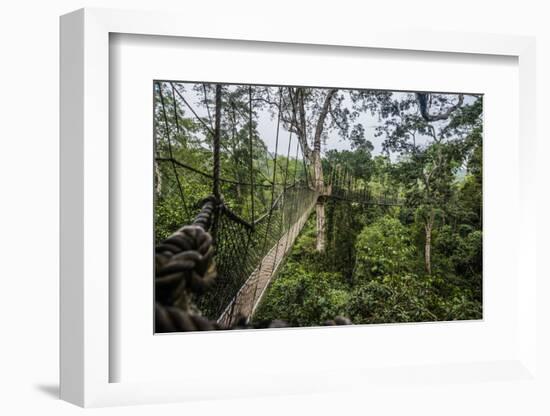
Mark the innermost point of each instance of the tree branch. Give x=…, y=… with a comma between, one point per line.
x=300, y=130
x=208, y=128
x=422, y=100
x=321, y=120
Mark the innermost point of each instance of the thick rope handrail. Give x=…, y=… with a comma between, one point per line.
x=184, y=261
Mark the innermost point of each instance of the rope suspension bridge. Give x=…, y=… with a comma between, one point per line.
x=213, y=272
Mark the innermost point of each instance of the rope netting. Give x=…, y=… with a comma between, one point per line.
x=344, y=186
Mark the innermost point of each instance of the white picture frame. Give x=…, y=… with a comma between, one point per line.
x=85, y=218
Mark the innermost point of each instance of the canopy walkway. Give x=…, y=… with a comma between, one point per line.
x=249, y=295
x=214, y=272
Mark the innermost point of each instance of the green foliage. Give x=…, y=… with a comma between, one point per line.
x=458, y=254
x=344, y=222
x=394, y=298
x=387, y=284
x=383, y=247
x=303, y=297
x=303, y=294
x=409, y=298
x=359, y=163
x=168, y=217
x=386, y=288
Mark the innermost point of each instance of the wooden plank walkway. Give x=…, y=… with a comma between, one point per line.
x=250, y=294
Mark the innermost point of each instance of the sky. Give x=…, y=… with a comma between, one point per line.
x=267, y=125
x=267, y=128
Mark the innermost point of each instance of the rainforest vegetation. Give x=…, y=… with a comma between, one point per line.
x=416, y=259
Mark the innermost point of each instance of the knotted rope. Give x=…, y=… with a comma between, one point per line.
x=185, y=267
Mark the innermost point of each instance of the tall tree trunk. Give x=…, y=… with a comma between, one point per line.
x=320, y=206
x=320, y=213
x=238, y=189
x=158, y=187
x=428, y=226
x=318, y=173
x=313, y=155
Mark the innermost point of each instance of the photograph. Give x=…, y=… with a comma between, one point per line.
x=281, y=206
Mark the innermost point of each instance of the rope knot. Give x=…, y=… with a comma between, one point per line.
x=184, y=262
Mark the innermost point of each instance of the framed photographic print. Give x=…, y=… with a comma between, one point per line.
x=236, y=209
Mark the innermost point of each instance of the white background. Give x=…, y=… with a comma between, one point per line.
x=29, y=175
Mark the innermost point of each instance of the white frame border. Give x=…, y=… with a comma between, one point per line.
x=84, y=183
